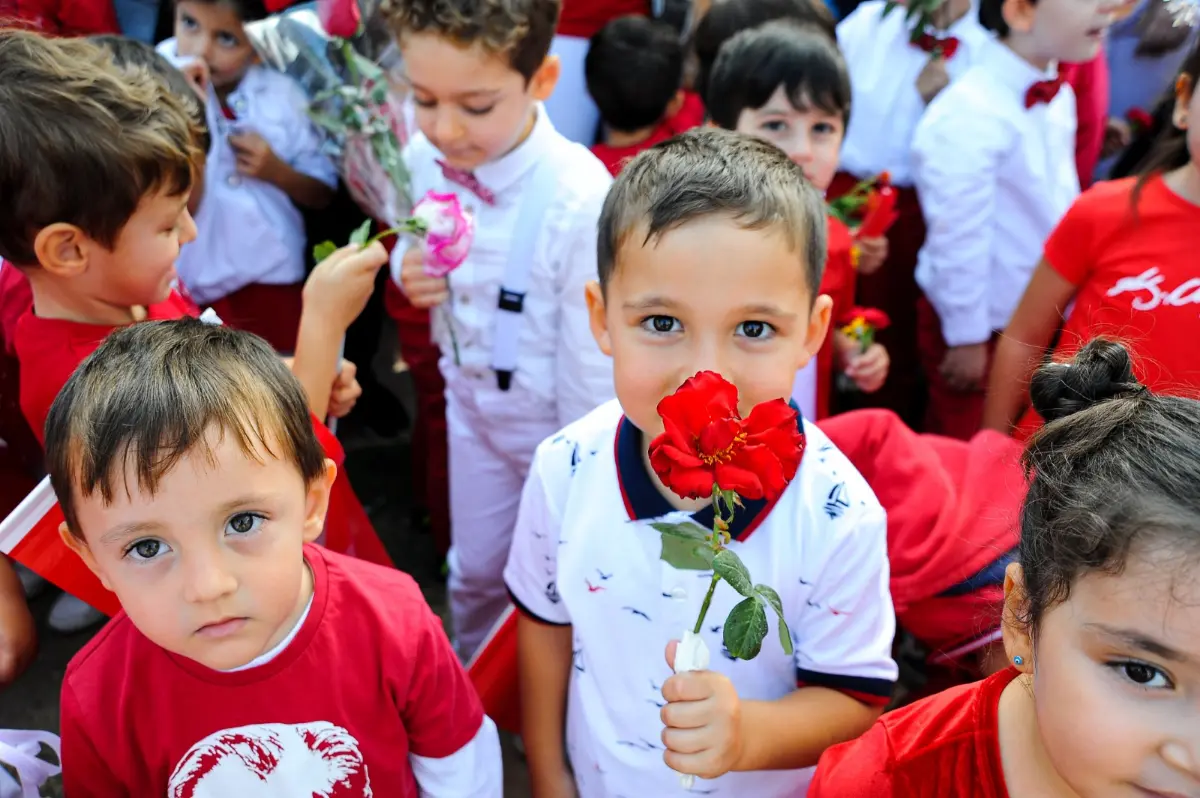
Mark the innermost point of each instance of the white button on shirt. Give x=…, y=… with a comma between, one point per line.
x=561, y=373
x=884, y=67
x=994, y=178
x=247, y=230
x=584, y=554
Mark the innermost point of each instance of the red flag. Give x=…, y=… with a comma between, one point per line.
x=493, y=671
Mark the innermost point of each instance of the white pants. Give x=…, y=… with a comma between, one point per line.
x=570, y=107
x=491, y=443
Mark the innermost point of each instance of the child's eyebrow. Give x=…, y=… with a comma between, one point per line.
x=767, y=310
x=1140, y=642
x=647, y=303
x=129, y=530
x=474, y=93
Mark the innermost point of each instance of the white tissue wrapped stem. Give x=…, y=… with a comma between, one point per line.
x=691, y=655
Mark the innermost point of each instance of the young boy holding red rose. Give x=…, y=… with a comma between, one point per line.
x=711, y=248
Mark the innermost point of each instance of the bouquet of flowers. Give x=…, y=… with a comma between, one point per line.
x=919, y=14
x=707, y=450
x=861, y=324
x=870, y=206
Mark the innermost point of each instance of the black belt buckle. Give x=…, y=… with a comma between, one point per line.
x=504, y=379
x=511, y=301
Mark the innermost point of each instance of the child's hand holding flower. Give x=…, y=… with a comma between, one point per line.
x=449, y=231
x=708, y=449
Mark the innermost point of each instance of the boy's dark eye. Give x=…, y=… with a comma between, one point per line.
x=423, y=102
x=662, y=324
x=479, y=111
x=242, y=523
x=147, y=549
x=753, y=329
x=228, y=40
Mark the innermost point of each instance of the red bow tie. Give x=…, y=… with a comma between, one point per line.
x=468, y=181
x=1043, y=92
x=946, y=45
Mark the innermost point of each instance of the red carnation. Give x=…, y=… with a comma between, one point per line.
x=871, y=317
x=706, y=442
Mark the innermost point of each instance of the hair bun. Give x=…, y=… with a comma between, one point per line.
x=1102, y=370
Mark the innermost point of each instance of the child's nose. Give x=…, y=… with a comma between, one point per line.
x=446, y=126
x=206, y=579
x=187, y=228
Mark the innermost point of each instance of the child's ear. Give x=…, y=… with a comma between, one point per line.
x=676, y=104
x=316, y=503
x=818, y=326
x=1018, y=15
x=597, y=318
x=77, y=544
x=1183, y=99
x=1018, y=637
x=542, y=84
x=61, y=249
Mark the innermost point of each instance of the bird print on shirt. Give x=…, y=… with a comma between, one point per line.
x=593, y=588
x=552, y=593
x=637, y=612
x=574, y=459
x=603, y=576
x=838, y=501
x=577, y=660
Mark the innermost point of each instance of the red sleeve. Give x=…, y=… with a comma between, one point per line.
x=857, y=769
x=441, y=712
x=87, y=17
x=1069, y=249
x=85, y=773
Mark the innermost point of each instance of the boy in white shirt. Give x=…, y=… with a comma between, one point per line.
x=266, y=162
x=994, y=163
x=711, y=247
x=893, y=79
x=517, y=355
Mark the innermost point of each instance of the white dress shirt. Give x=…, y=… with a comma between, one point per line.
x=249, y=231
x=584, y=555
x=994, y=178
x=884, y=66
x=561, y=373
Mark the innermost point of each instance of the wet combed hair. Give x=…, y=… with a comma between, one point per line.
x=246, y=10
x=727, y=18
x=154, y=392
x=1170, y=150
x=710, y=172
x=634, y=68
x=1114, y=469
x=131, y=53
x=519, y=30
x=755, y=63
x=81, y=142
x=991, y=16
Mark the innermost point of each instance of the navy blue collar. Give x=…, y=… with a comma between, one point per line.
x=643, y=501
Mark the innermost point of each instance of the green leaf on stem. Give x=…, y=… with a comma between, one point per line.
x=359, y=237
x=687, y=555
x=745, y=628
x=730, y=568
x=769, y=595
x=684, y=531
x=324, y=250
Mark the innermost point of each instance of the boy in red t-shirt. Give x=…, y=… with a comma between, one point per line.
x=634, y=72
x=786, y=83
x=75, y=130
x=193, y=485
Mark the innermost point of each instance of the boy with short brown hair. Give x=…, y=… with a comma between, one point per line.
x=193, y=486
x=518, y=359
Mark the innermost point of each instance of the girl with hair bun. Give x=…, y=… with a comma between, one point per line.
x=1101, y=619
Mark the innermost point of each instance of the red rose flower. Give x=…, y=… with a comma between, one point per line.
x=706, y=442
x=1139, y=120
x=871, y=317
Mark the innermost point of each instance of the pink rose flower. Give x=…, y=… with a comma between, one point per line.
x=449, y=231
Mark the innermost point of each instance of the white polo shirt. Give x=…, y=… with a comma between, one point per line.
x=249, y=231
x=584, y=554
x=994, y=179
x=561, y=373
x=884, y=66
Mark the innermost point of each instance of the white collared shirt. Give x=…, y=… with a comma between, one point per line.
x=884, y=66
x=584, y=555
x=561, y=373
x=249, y=231
x=994, y=178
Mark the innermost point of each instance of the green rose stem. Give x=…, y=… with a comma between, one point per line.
x=720, y=536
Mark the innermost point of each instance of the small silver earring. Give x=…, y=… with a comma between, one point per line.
x=1018, y=660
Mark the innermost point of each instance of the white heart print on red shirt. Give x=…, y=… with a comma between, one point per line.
x=273, y=759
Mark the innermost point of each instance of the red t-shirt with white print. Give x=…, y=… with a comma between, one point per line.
x=1137, y=281
x=369, y=679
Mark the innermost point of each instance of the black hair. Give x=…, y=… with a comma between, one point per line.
x=755, y=63
x=128, y=52
x=711, y=172
x=727, y=18
x=991, y=16
x=634, y=68
x=1170, y=150
x=154, y=391
x=247, y=10
x=1114, y=468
